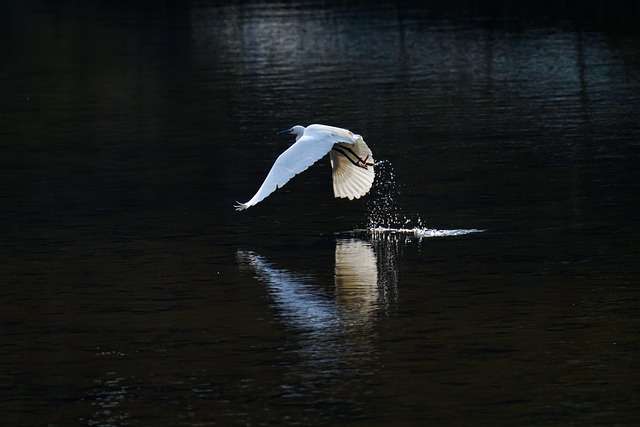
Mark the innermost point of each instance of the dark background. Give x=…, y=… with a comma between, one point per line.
x=133, y=294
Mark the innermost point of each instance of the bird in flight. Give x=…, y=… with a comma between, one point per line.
x=351, y=162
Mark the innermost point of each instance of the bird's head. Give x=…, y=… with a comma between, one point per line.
x=295, y=130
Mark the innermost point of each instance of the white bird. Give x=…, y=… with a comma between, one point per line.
x=351, y=162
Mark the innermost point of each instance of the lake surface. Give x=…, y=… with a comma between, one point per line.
x=133, y=294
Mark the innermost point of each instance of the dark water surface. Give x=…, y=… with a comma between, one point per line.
x=133, y=294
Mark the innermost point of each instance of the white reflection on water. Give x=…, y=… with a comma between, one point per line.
x=356, y=278
x=300, y=305
x=339, y=325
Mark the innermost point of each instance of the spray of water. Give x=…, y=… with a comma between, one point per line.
x=383, y=208
x=385, y=216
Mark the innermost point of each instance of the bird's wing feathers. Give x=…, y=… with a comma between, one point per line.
x=334, y=133
x=295, y=159
x=352, y=169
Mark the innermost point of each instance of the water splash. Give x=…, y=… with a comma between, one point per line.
x=386, y=217
x=423, y=232
x=383, y=208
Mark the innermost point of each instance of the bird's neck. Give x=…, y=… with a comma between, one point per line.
x=298, y=131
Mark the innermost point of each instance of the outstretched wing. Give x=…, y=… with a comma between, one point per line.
x=295, y=159
x=352, y=166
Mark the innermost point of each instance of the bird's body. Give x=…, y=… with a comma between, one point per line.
x=351, y=162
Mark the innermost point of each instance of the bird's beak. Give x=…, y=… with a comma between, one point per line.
x=283, y=131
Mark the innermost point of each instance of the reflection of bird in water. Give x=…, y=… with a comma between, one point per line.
x=301, y=306
x=334, y=336
x=356, y=276
x=360, y=288
x=351, y=162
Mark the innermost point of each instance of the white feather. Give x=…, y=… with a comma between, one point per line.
x=352, y=180
x=317, y=140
